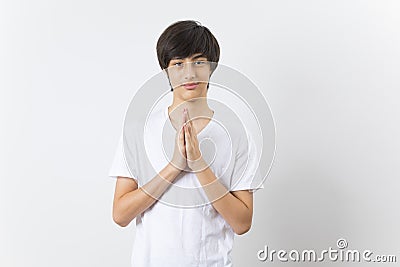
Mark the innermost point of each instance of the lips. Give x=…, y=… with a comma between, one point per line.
x=190, y=86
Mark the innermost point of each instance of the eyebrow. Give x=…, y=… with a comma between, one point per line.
x=195, y=57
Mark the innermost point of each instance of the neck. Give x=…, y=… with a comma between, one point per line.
x=197, y=107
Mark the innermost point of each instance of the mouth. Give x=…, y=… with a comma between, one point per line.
x=190, y=86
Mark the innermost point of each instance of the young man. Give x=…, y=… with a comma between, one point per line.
x=192, y=234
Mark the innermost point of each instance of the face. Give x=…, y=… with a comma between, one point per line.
x=189, y=76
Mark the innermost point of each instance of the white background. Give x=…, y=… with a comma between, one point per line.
x=329, y=69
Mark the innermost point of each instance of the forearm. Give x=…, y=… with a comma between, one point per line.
x=231, y=208
x=128, y=206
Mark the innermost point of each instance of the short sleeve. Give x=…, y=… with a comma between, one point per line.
x=246, y=174
x=119, y=166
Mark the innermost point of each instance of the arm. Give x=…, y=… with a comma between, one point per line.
x=235, y=207
x=129, y=200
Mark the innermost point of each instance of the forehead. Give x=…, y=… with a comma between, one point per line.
x=194, y=56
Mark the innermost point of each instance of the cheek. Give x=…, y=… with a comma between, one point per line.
x=203, y=86
x=175, y=79
x=203, y=75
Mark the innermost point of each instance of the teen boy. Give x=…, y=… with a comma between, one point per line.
x=169, y=235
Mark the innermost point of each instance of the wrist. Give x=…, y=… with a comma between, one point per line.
x=198, y=165
x=173, y=168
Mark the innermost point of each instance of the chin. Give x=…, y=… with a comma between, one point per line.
x=190, y=97
x=185, y=93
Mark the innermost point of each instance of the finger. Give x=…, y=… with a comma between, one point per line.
x=191, y=125
x=185, y=112
x=187, y=136
x=182, y=136
x=188, y=128
x=183, y=123
x=191, y=129
x=183, y=117
x=188, y=120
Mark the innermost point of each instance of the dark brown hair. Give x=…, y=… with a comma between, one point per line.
x=185, y=38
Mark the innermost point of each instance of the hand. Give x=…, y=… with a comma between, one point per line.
x=179, y=156
x=195, y=160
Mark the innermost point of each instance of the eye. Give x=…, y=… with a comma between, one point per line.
x=200, y=62
x=177, y=64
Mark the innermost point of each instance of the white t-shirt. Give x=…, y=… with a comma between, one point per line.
x=179, y=230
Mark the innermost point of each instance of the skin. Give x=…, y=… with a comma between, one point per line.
x=235, y=207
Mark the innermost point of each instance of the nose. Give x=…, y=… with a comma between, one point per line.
x=189, y=72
